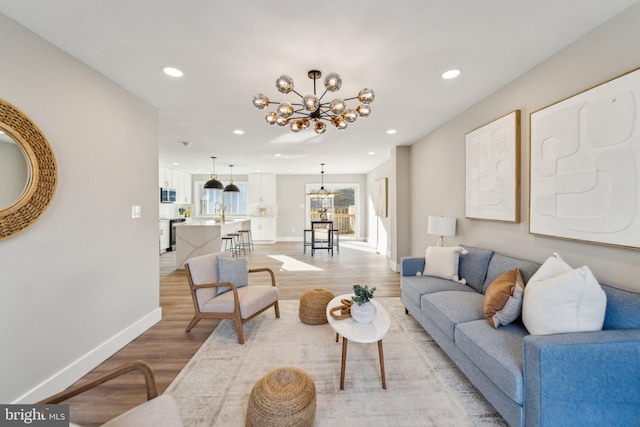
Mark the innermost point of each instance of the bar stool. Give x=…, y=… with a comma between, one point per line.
x=227, y=245
x=307, y=239
x=248, y=242
x=238, y=244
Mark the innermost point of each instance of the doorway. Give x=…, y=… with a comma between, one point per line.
x=342, y=208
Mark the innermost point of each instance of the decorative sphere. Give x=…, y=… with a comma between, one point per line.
x=285, y=110
x=295, y=126
x=338, y=122
x=271, y=117
x=366, y=96
x=319, y=127
x=363, y=110
x=333, y=82
x=284, y=84
x=350, y=115
x=304, y=123
x=338, y=106
x=310, y=102
x=282, y=121
x=260, y=101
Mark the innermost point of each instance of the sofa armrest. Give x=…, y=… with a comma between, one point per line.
x=588, y=378
x=410, y=265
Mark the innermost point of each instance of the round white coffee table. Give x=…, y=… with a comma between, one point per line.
x=350, y=330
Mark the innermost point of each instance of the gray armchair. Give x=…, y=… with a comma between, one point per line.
x=157, y=411
x=220, y=290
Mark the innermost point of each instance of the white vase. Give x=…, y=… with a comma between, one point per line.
x=364, y=313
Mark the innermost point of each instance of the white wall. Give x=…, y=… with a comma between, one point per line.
x=391, y=235
x=84, y=279
x=438, y=160
x=379, y=227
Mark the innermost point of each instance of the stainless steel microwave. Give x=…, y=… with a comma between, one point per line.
x=167, y=195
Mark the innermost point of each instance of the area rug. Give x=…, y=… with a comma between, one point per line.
x=424, y=388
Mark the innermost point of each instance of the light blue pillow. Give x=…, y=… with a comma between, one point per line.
x=234, y=270
x=473, y=266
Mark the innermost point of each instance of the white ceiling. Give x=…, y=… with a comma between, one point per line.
x=231, y=50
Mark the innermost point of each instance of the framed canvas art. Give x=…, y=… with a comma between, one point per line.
x=493, y=170
x=380, y=197
x=585, y=165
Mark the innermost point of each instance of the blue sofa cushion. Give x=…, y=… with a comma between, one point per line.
x=622, y=308
x=409, y=266
x=497, y=352
x=449, y=308
x=416, y=286
x=501, y=264
x=473, y=265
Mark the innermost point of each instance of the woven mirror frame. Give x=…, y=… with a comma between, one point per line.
x=43, y=174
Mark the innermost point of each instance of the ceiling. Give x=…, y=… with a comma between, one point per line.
x=231, y=50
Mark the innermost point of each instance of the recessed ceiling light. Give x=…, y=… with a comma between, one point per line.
x=238, y=132
x=391, y=131
x=451, y=74
x=173, y=72
x=371, y=153
x=277, y=155
x=175, y=164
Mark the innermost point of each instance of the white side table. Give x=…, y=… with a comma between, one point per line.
x=363, y=333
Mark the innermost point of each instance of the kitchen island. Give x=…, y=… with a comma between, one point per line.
x=196, y=237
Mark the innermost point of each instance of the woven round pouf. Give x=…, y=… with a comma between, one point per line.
x=283, y=397
x=313, y=306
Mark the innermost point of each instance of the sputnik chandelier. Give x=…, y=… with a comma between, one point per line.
x=300, y=115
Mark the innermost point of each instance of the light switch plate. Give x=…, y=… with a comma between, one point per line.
x=136, y=211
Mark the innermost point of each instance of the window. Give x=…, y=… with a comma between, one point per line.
x=209, y=201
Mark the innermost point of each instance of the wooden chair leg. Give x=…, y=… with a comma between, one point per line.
x=193, y=323
x=277, y=307
x=240, y=332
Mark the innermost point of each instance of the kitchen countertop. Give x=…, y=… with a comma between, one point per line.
x=209, y=221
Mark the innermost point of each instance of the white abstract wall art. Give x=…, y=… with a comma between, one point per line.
x=380, y=197
x=585, y=157
x=493, y=170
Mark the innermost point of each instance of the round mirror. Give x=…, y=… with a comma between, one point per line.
x=28, y=173
x=15, y=171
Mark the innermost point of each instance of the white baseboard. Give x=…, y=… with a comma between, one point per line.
x=79, y=368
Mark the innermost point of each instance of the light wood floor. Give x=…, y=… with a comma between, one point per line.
x=167, y=348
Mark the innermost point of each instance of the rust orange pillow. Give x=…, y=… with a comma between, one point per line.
x=503, y=298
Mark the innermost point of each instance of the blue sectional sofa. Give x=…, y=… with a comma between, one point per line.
x=572, y=379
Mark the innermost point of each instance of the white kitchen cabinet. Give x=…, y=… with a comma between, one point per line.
x=262, y=188
x=179, y=181
x=263, y=229
x=165, y=236
x=165, y=177
x=183, y=187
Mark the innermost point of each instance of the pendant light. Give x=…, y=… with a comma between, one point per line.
x=323, y=192
x=213, y=183
x=231, y=187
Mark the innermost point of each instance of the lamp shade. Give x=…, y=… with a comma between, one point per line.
x=441, y=226
x=213, y=184
x=231, y=188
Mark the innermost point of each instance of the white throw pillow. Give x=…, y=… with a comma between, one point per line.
x=559, y=299
x=443, y=262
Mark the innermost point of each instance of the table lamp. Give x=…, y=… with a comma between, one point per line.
x=441, y=226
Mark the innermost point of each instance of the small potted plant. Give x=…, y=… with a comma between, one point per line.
x=363, y=311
